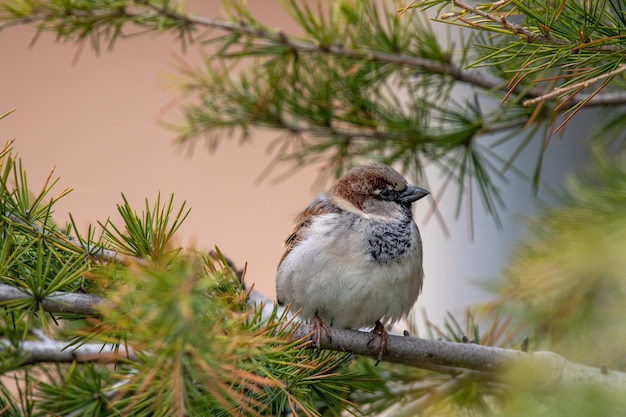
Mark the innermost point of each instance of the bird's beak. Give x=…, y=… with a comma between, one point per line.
x=412, y=194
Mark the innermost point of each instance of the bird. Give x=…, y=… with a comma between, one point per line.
x=354, y=258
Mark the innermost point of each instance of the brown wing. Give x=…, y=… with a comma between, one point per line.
x=319, y=206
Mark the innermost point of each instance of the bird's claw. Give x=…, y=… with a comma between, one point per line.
x=379, y=331
x=317, y=327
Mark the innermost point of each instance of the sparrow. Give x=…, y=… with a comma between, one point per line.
x=354, y=259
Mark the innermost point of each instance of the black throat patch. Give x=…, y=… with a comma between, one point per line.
x=389, y=241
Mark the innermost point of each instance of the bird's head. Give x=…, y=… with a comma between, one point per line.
x=377, y=190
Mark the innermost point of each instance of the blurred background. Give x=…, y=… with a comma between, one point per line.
x=97, y=119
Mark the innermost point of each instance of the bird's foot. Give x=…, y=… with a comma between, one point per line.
x=379, y=331
x=317, y=327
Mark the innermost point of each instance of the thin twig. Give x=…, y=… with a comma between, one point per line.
x=576, y=86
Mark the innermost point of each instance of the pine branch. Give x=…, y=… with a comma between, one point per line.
x=549, y=369
x=583, y=37
x=528, y=35
x=426, y=65
x=136, y=12
x=338, y=50
x=281, y=38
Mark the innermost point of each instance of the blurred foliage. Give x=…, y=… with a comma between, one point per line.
x=566, y=281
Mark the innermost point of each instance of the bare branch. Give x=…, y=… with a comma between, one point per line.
x=547, y=368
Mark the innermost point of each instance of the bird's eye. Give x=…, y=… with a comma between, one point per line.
x=384, y=194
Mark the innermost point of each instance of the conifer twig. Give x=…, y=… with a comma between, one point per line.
x=576, y=86
x=519, y=30
x=528, y=35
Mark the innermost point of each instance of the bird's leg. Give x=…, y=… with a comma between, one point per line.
x=317, y=327
x=379, y=331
